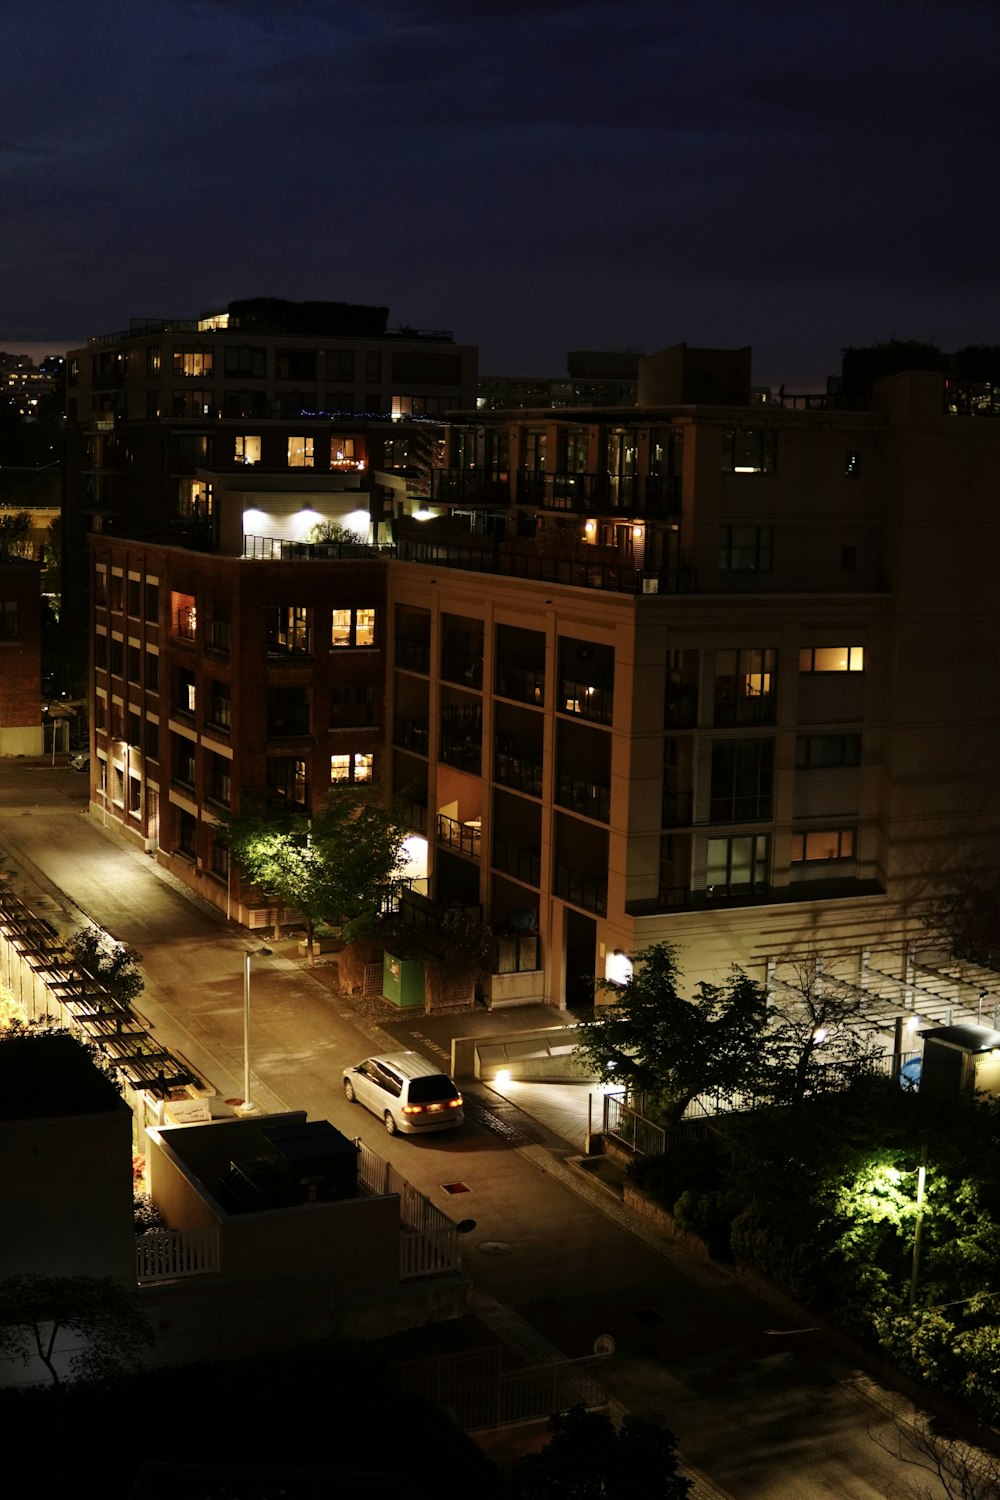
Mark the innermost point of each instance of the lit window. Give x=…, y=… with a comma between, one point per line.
x=247, y=450
x=357, y=768
x=737, y=866
x=830, y=843
x=343, y=454
x=832, y=659
x=300, y=452
x=353, y=627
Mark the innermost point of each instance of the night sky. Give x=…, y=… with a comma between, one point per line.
x=537, y=175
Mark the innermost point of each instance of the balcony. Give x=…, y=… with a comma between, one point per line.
x=521, y=684
x=585, y=797
x=522, y=772
x=586, y=701
x=413, y=656
x=588, y=891
x=677, y=809
x=465, y=667
x=465, y=837
x=411, y=734
x=461, y=751
x=515, y=859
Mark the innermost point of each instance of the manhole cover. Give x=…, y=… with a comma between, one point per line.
x=455, y=1187
x=495, y=1247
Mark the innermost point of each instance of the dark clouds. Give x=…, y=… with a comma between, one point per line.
x=538, y=176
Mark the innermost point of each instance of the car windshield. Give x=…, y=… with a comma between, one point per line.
x=432, y=1088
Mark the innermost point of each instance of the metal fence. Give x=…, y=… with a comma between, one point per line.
x=428, y=1242
x=479, y=1394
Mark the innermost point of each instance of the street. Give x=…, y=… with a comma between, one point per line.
x=764, y=1409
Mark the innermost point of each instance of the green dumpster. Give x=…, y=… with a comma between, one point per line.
x=403, y=981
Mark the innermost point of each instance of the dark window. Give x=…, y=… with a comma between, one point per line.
x=373, y=367
x=745, y=686
x=220, y=707
x=220, y=779
x=220, y=858
x=815, y=751
x=184, y=763
x=133, y=664
x=117, y=590
x=746, y=549
x=286, y=780
x=295, y=364
x=339, y=364
x=742, y=780
x=848, y=559
x=352, y=706
x=134, y=591
x=187, y=834
x=290, y=631
x=287, y=711
x=242, y=360
x=152, y=740
x=750, y=450
x=152, y=602
x=117, y=657
x=9, y=626
x=185, y=700
x=152, y=671
x=100, y=650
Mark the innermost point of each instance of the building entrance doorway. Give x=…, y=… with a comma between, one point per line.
x=580, y=964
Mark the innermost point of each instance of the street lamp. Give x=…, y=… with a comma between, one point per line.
x=248, y=1107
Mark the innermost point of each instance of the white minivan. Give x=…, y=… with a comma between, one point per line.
x=408, y=1093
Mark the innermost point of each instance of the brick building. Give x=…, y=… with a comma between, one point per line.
x=20, y=658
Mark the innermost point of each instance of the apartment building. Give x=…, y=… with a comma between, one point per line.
x=272, y=396
x=716, y=674
x=20, y=657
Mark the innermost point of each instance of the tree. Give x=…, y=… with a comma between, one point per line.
x=333, y=867
x=817, y=1038
x=34, y=1310
x=670, y=1049
x=15, y=534
x=586, y=1459
x=965, y=918
x=114, y=965
x=955, y=1468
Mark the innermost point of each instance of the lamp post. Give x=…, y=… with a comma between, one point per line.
x=248, y=1107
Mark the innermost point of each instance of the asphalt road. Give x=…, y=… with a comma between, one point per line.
x=764, y=1409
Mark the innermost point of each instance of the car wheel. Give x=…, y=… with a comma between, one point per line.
x=390, y=1124
x=349, y=1091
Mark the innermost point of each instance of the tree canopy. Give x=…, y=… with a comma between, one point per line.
x=670, y=1049
x=329, y=868
x=587, y=1459
x=34, y=1310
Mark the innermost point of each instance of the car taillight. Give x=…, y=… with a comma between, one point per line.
x=413, y=1109
x=455, y=1103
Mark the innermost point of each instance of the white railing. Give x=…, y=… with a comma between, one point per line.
x=428, y=1243
x=166, y=1254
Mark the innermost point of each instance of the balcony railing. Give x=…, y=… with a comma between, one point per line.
x=462, y=752
x=740, y=711
x=523, y=772
x=517, y=860
x=465, y=667
x=586, y=700
x=586, y=797
x=465, y=837
x=414, y=656
x=588, y=891
x=653, y=495
x=677, y=809
x=522, y=684
x=411, y=734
